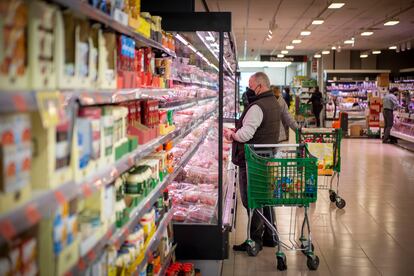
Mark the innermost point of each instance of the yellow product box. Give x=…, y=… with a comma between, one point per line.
x=144, y=27
x=10, y=201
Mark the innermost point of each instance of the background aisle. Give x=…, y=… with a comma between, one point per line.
x=372, y=235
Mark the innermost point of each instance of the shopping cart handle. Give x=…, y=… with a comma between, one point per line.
x=275, y=145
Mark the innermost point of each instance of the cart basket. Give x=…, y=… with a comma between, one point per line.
x=280, y=175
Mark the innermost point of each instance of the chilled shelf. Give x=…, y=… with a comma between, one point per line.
x=27, y=215
x=403, y=136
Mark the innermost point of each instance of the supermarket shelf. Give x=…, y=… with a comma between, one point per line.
x=343, y=90
x=189, y=82
x=83, y=8
x=180, y=105
x=117, y=236
x=120, y=235
x=406, y=115
x=348, y=81
x=154, y=241
x=403, y=136
x=168, y=260
x=356, y=71
x=29, y=214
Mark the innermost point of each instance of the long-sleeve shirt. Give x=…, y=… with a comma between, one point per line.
x=251, y=122
x=287, y=119
x=390, y=101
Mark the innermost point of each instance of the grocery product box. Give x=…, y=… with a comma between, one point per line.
x=383, y=80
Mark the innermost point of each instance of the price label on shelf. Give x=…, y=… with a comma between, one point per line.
x=87, y=191
x=19, y=103
x=32, y=214
x=7, y=229
x=60, y=197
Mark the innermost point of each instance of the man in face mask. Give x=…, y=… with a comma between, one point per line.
x=258, y=124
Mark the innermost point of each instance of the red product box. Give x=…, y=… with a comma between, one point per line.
x=149, y=113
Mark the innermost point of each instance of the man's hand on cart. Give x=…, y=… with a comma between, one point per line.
x=228, y=133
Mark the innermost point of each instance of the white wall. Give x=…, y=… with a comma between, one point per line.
x=276, y=75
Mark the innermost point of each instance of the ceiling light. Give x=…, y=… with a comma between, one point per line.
x=280, y=56
x=290, y=47
x=182, y=39
x=318, y=21
x=402, y=47
x=326, y=52
x=317, y=56
x=305, y=33
x=333, y=48
x=270, y=32
x=408, y=45
x=376, y=52
x=336, y=5
x=363, y=55
x=296, y=41
x=392, y=47
x=392, y=22
x=285, y=52
x=349, y=41
x=368, y=33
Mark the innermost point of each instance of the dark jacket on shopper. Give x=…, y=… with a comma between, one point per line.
x=267, y=132
x=316, y=100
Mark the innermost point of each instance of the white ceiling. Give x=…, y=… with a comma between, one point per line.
x=251, y=18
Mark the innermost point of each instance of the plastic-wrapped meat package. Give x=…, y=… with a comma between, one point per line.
x=180, y=214
x=181, y=186
x=192, y=196
x=178, y=153
x=200, y=213
x=208, y=198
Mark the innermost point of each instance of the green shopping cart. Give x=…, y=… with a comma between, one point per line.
x=282, y=175
x=325, y=144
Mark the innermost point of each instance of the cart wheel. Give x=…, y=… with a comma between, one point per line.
x=305, y=248
x=313, y=262
x=252, y=249
x=340, y=203
x=332, y=196
x=281, y=263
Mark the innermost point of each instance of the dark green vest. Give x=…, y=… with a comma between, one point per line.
x=267, y=132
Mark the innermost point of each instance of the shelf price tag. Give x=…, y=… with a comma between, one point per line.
x=7, y=229
x=60, y=197
x=87, y=191
x=19, y=103
x=32, y=214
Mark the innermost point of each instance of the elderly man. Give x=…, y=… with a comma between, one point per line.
x=390, y=103
x=259, y=124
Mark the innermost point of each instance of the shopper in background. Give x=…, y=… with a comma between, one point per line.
x=286, y=117
x=317, y=105
x=286, y=96
x=258, y=124
x=390, y=103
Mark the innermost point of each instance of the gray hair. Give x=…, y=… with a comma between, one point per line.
x=262, y=78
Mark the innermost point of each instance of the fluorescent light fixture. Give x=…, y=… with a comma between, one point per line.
x=326, y=52
x=367, y=33
x=285, y=52
x=259, y=64
x=280, y=55
x=333, y=48
x=392, y=22
x=336, y=5
x=392, y=47
x=305, y=33
x=376, y=52
x=317, y=56
x=290, y=47
x=363, y=55
x=192, y=48
x=318, y=22
x=182, y=39
x=296, y=41
x=349, y=41
x=270, y=32
x=408, y=45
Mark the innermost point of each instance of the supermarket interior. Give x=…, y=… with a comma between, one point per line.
x=206, y=137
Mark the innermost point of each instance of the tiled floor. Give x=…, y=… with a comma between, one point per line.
x=372, y=235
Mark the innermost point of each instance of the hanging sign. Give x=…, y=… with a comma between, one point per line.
x=284, y=59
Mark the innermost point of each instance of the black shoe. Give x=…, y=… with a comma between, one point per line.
x=386, y=142
x=241, y=247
